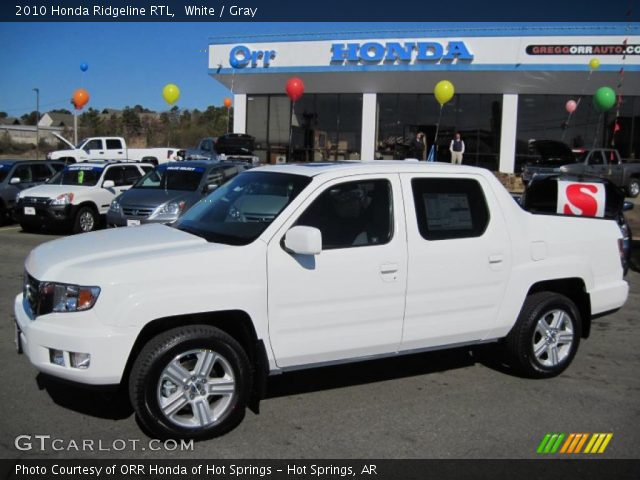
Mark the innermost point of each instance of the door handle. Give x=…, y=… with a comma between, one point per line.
x=101, y=153
x=389, y=268
x=495, y=259
x=389, y=272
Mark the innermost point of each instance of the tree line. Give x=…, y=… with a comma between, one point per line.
x=143, y=127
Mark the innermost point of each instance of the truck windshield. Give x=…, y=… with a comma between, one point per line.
x=77, y=175
x=239, y=211
x=172, y=177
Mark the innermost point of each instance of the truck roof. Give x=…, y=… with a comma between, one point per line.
x=367, y=166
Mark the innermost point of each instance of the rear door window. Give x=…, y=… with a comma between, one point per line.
x=448, y=208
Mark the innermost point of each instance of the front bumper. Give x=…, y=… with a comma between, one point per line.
x=74, y=332
x=45, y=215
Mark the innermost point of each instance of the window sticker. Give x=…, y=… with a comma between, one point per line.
x=81, y=177
x=448, y=211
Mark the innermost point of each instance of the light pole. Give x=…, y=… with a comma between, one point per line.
x=37, y=90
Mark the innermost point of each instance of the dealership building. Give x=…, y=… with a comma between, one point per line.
x=368, y=93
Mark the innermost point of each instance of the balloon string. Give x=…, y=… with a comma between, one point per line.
x=293, y=107
x=595, y=136
x=435, y=140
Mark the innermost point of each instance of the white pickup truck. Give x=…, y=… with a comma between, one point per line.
x=112, y=148
x=296, y=266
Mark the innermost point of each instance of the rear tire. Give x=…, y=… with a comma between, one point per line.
x=546, y=336
x=190, y=382
x=86, y=220
x=633, y=188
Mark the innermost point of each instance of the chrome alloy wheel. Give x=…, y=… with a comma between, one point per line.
x=196, y=388
x=553, y=338
x=87, y=222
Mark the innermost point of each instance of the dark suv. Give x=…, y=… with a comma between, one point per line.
x=16, y=175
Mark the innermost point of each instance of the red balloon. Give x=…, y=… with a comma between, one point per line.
x=294, y=88
x=80, y=98
x=227, y=102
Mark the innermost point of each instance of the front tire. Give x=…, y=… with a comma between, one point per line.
x=546, y=336
x=86, y=220
x=190, y=382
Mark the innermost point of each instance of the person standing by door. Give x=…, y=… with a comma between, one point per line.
x=457, y=149
x=418, y=146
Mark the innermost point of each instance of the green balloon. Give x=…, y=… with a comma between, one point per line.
x=604, y=99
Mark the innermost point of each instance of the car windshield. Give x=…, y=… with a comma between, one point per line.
x=172, y=177
x=4, y=170
x=239, y=211
x=83, y=175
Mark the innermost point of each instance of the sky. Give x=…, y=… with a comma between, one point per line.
x=129, y=63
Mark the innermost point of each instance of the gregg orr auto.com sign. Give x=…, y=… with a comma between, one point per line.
x=583, y=49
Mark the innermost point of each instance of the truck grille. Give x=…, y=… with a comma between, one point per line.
x=137, y=211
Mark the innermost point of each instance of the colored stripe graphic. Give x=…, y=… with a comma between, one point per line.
x=573, y=443
x=550, y=443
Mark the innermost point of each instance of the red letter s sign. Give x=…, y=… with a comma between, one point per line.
x=586, y=199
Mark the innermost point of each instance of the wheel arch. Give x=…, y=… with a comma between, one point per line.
x=236, y=323
x=575, y=290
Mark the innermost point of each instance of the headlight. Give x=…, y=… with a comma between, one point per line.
x=115, y=206
x=17, y=197
x=169, y=211
x=563, y=169
x=63, y=199
x=61, y=297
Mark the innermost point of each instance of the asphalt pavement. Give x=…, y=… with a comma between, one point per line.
x=448, y=404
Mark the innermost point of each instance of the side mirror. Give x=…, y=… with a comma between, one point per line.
x=14, y=181
x=625, y=207
x=108, y=184
x=303, y=240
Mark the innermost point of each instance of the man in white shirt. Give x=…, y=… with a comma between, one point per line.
x=457, y=149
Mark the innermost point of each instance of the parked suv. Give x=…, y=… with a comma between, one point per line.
x=17, y=175
x=168, y=191
x=77, y=197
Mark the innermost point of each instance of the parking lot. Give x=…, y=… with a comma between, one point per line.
x=449, y=404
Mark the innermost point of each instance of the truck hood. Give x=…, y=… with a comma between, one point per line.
x=61, y=138
x=110, y=255
x=142, y=197
x=49, y=191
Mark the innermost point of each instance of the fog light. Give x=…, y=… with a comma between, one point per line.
x=80, y=360
x=56, y=357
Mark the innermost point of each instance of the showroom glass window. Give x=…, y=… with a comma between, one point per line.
x=326, y=127
x=543, y=117
x=477, y=117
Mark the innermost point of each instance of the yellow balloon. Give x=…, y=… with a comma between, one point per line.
x=594, y=63
x=443, y=91
x=170, y=93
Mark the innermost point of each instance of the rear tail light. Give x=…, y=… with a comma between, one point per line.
x=621, y=250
